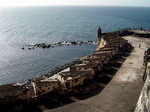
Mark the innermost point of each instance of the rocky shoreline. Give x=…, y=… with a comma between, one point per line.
x=61, y=68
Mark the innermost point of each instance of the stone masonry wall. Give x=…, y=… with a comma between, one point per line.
x=143, y=104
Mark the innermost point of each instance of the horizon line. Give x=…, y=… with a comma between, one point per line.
x=74, y=6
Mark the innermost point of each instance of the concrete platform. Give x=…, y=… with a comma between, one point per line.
x=122, y=93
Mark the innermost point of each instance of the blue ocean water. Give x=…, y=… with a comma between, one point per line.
x=26, y=25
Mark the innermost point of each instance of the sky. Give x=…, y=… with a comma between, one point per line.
x=12, y=3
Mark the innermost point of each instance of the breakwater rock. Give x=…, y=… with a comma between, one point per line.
x=44, y=45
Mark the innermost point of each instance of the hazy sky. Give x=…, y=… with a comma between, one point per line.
x=4, y=3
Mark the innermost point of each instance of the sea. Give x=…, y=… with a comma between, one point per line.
x=51, y=24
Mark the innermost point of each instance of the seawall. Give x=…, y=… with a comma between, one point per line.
x=63, y=82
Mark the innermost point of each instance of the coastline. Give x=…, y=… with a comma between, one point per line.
x=45, y=84
x=79, y=73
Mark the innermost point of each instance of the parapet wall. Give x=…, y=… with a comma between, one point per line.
x=143, y=104
x=105, y=38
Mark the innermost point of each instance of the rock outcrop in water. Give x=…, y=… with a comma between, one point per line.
x=44, y=45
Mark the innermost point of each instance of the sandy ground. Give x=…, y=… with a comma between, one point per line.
x=122, y=93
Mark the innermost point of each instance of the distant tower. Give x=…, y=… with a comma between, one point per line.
x=99, y=32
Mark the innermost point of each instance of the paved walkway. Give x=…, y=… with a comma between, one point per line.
x=121, y=94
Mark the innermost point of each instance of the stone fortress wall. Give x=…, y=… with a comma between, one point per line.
x=143, y=104
x=70, y=78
